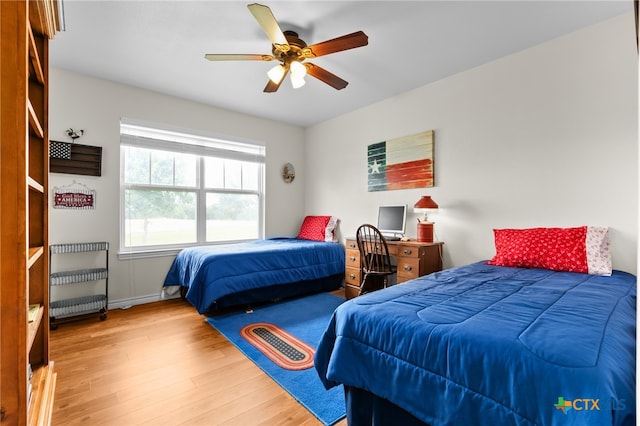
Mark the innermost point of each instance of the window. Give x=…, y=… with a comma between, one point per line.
x=179, y=190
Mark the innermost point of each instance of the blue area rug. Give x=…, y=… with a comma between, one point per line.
x=305, y=318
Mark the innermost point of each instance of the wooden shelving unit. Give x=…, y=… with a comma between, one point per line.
x=27, y=377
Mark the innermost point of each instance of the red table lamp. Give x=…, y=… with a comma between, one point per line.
x=425, y=228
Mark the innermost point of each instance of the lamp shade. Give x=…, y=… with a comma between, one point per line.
x=297, y=81
x=425, y=228
x=425, y=202
x=298, y=69
x=276, y=74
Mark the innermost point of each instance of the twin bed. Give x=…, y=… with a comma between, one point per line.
x=215, y=277
x=486, y=344
x=219, y=276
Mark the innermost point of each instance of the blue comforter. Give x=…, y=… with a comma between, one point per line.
x=212, y=272
x=491, y=345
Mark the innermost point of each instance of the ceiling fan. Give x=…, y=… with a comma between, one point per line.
x=291, y=51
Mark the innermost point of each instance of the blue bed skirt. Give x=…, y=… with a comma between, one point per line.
x=278, y=292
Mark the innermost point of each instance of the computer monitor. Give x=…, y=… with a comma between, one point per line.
x=392, y=220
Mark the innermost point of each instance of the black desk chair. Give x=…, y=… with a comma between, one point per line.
x=374, y=259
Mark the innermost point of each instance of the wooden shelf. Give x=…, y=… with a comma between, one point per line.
x=35, y=253
x=32, y=328
x=43, y=17
x=34, y=121
x=34, y=185
x=43, y=384
x=35, y=59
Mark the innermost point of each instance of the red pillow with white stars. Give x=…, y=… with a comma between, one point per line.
x=582, y=249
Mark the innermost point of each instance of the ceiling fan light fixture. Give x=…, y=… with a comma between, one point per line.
x=297, y=69
x=288, y=49
x=297, y=81
x=276, y=74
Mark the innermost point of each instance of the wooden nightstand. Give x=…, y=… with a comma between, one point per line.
x=414, y=260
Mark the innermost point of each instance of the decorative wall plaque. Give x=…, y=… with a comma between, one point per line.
x=288, y=173
x=401, y=163
x=73, y=158
x=77, y=198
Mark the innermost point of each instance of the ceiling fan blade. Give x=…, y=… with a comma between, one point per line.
x=325, y=76
x=268, y=22
x=240, y=57
x=272, y=87
x=346, y=42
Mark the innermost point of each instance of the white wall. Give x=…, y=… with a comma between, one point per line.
x=96, y=106
x=544, y=137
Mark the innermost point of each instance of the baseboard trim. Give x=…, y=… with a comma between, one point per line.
x=140, y=300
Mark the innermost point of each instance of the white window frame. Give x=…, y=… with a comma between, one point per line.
x=145, y=135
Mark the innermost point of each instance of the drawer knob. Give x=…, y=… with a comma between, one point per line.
x=352, y=276
x=407, y=251
x=407, y=267
x=352, y=258
x=352, y=245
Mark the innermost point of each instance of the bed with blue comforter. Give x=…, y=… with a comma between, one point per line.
x=231, y=274
x=488, y=345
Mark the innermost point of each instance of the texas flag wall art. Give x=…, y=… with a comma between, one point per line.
x=401, y=163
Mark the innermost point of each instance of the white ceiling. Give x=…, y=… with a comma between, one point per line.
x=160, y=46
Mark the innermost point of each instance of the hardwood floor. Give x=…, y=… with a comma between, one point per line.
x=161, y=364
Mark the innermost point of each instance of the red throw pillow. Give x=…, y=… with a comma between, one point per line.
x=583, y=249
x=314, y=228
x=558, y=249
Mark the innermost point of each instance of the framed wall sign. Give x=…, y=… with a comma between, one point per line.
x=74, y=196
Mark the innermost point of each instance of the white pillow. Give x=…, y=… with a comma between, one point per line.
x=329, y=231
x=598, y=256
